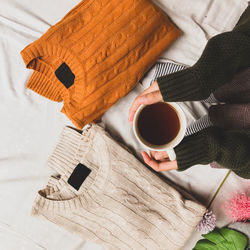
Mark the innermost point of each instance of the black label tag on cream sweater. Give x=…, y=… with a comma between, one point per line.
x=80, y=173
x=65, y=75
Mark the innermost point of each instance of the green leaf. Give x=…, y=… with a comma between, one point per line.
x=204, y=245
x=215, y=236
x=239, y=240
x=220, y=239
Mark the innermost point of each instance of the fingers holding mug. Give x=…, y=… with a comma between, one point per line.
x=163, y=155
x=171, y=154
x=159, y=166
x=160, y=127
x=145, y=99
x=159, y=155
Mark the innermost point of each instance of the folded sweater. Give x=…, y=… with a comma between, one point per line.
x=104, y=194
x=97, y=53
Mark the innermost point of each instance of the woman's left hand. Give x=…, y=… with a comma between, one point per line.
x=159, y=161
x=149, y=96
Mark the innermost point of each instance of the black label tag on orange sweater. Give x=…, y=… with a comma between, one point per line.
x=65, y=75
x=80, y=173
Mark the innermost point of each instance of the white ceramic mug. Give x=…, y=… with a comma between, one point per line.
x=169, y=147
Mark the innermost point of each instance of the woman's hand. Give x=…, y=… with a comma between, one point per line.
x=148, y=96
x=159, y=161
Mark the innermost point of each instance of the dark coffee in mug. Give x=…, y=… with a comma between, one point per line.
x=158, y=124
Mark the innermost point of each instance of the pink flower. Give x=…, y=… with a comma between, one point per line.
x=238, y=207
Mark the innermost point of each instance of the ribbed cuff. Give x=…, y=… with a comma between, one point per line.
x=180, y=86
x=44, y=80
x=47, y=89
x=193, y=150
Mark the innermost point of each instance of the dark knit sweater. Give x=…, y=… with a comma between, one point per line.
x=224, y=57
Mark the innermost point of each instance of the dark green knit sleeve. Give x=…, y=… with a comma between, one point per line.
x=230, y=148
x=223, y=56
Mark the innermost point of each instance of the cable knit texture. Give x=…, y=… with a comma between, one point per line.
x=105, y=47
x=121, y=204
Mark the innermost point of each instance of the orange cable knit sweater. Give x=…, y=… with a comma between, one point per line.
x=96, y=54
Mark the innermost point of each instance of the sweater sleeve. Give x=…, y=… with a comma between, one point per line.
x=230, y=148
x=223, y=56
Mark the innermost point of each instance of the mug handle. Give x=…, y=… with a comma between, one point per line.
x=171, y=154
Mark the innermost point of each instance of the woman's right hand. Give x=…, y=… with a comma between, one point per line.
x=148, y=96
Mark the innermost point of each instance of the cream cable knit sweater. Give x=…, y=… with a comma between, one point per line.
x=121, y=204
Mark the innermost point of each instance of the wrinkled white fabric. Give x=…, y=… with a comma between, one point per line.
x=30, y=124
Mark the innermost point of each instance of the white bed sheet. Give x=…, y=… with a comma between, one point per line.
x=30, y=124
